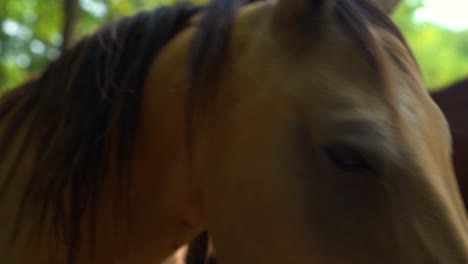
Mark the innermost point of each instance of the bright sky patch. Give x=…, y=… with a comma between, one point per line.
x=452, y=14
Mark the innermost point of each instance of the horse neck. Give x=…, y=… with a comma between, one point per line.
x=163, y=173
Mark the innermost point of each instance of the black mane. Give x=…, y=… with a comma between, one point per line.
x=83, y=112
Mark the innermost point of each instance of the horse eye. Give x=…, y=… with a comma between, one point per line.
x=347, y=159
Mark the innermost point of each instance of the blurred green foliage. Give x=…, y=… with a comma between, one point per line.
x=30, y=36
x=441, y=53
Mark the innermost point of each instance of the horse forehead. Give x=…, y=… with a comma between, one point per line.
x=333, y=59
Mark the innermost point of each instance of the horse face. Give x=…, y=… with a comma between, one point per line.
x=324, y=145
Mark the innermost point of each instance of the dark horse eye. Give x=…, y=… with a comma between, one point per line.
x=347, y=159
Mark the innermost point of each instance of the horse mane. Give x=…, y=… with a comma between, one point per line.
x=82, y=114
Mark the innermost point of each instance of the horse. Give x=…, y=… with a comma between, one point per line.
x=294, y=131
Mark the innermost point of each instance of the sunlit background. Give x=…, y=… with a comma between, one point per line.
x=31, y=34
x=451, y=14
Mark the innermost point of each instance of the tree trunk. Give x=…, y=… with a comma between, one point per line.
x=70, y=15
